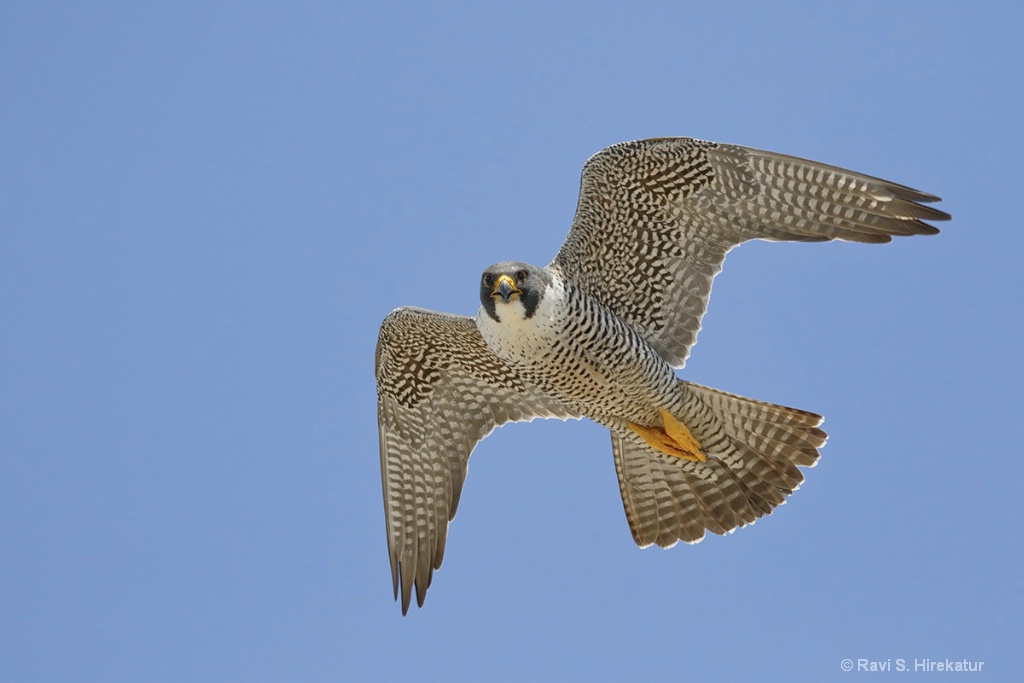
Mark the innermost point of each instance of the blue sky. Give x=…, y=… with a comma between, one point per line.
x=207, y=209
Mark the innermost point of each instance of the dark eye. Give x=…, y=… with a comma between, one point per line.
x=520, y=277
x=488, y=280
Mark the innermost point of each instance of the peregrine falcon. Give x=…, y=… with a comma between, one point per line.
x=599, y=333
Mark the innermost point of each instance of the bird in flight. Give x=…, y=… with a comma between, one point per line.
x=599, y=333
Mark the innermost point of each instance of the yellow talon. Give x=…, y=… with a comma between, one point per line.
x=673, y=439
x=681, y=434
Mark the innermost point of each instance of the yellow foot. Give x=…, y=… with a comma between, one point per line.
x=672, y=439
x=682, y=436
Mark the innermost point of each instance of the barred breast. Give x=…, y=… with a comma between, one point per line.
x=577, y=351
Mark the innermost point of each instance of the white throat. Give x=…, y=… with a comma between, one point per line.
x=517, y=339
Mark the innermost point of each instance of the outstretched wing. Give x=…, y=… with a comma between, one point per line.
x=440, y=390
x=656, y=218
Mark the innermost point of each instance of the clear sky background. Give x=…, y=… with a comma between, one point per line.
x=207, y=209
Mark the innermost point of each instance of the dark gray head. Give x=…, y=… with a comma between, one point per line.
x=512, y=283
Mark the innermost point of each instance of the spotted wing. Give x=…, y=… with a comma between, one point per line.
x=656, y=218
x=440, y=390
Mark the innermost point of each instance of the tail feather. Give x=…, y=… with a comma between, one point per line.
x=798, y=445
x=754, y=449
x=719, y=515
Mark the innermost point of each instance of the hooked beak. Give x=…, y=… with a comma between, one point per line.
x=505, y=288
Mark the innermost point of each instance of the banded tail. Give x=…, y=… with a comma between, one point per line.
x=754, y=450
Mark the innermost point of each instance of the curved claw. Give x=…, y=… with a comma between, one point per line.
x=674, y=438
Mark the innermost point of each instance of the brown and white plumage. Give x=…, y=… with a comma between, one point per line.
x=440, y=391
x=598, y=332
x=656, y=218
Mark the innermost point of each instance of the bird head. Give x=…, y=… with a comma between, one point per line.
x=512, y=288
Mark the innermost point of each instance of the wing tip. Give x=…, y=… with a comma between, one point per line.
x=419, y=585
